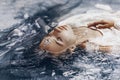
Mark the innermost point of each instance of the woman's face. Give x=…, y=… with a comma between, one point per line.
x=58, y=40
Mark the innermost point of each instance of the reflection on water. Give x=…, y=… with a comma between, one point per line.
x=19, y=56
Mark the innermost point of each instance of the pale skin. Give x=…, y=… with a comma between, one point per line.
x=64, y=38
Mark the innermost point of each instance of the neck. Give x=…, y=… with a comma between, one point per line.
x=81, y=34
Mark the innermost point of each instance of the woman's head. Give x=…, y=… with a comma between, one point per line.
x=58, y=40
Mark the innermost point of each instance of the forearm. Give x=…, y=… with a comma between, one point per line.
x=105, y=48
x=89, y=46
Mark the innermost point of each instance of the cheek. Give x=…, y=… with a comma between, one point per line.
x=55, y=48
x=66, y=37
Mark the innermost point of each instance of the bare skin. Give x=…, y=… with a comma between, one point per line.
x=64, y=38
x=59, y=40
x=102, y=24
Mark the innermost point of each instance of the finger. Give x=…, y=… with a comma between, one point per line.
x=103, y=22
x=61, y=27
x=57, y=29
x=92, y=24
x=65, y=27
x=104, y=26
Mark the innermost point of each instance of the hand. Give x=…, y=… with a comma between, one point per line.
x=102, y=24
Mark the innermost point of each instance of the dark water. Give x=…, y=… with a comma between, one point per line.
x=20, y=58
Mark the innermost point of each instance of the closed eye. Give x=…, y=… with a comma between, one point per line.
x=59, y=39
x=59, y=43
